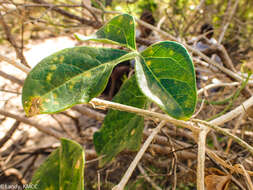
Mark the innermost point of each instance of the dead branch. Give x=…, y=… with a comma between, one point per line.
x=12, y=41
x=11, y=78
x=9, y=133
x=44, y=129
x=92, y=23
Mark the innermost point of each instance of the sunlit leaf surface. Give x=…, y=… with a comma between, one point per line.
x=166, y=75
x=119, y=30
x=69, y=77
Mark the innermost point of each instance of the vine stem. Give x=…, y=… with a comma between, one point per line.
x=137, y=158
x=98, y=103
x=201, y=157
x=192, y=124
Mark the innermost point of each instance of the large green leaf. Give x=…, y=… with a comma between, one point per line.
x=69, y=77
x=166, y=75
x=120, y=30
x=63, y=169
x=120, y=129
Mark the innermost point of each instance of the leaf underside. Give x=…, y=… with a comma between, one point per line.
x=120, y=30
x=120, y=129
x=69, y=77
x=166, y=75
x=63, y=169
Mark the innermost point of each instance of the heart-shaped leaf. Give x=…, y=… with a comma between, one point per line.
x=69, y=77
x=120, y=30
x=63, y=169
x=120, y=129
x=166, y=75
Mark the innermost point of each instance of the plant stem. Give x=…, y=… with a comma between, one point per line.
x=98, y=103
x=226, y=133
x=186, y=124
x=233, y=98
x=137, y=158
x=201, y=157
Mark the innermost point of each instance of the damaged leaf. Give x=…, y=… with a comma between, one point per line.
x=68, y=77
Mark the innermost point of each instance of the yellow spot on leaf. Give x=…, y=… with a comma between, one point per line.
x=148, y=63
x=87, y=74
x=132, y=132
x=77, y=164
x=71, y=86
x=61, y=59
x=171, y=52
x=55, y=95
x=50, y=188
x=131, y=22
x=53, y=67
x=150, y=51
x=49, y=77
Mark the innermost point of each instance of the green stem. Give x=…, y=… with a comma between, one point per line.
x=221, y=102
x=234, y=97
x=128, y=56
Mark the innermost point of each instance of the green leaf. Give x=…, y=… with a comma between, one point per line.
x=120, y=129
x=166, y=75
x=47, y=175
x=68, y=77
x=63, y=169
x=120, y=30
x=71, y=165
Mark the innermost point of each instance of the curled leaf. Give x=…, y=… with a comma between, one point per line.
x=217, y=182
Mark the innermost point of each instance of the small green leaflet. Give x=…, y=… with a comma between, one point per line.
x=121, y=130
x=69, y=77
x=63, y=169
x=166, y=75
x=120, y=30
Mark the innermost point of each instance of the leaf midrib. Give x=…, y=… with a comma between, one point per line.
x=158, y=81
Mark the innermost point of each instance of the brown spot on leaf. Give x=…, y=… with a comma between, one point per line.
x=34, y=106
x=77, y=164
